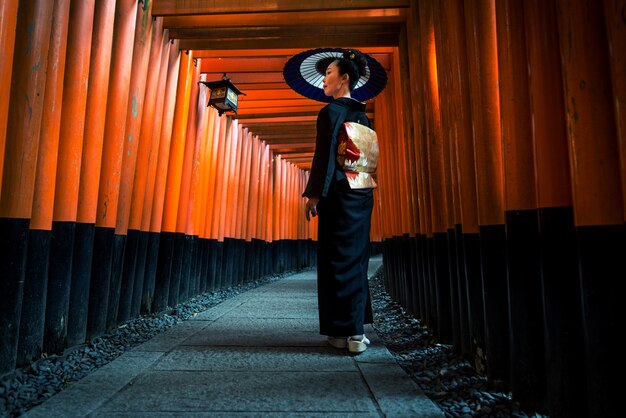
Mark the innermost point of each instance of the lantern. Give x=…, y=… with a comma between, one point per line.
x=224, y=95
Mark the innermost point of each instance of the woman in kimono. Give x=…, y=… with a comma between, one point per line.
x=344, y=214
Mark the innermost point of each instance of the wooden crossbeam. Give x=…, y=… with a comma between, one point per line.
x=206, y=7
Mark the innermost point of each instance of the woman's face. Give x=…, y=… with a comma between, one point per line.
x=334, y=83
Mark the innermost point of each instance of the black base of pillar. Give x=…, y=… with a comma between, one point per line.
x=602, y=257
x=493, y=264
x=13, y=250
x=59, y=285
x=566, y=379
x=528, y=375
x=81, y=279
x=33, y=315
x=100, y=281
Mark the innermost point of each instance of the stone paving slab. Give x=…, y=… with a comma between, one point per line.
x=83, y=397
x=257, y=354
x=201, y=358
x=196, y=391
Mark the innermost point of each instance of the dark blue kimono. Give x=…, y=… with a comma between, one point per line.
x=343, y=228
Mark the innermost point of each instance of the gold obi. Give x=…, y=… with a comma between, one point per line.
x=357, y=153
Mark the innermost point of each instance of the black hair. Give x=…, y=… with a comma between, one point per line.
x=353, y=63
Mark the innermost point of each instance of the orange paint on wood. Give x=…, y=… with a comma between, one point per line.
x=115, y=124
x=43, y=199
x=263, y=183
x=278, y=169
x=547, y=108
x=242, y=173
x=134, y=116
x=591, y=124
x=211, y=196
x=520, y=189
x=408, y=142
x=615, y=12
x=219, y=196
x=434, y=136
x=25, y=108
x=480, y=27
x=74, y=111
x=444, y=74
x=173, y=69
x=95, y=113
x=223, y=227
x=452, y=15
x=194, y=198
x=269, y=202
x=8, y=22
x=189, y=139
x=206, y=169
x=254, y=189
x=237, y=210
x=155, y=136
x=156, y=67
x=415, y=91
x=177, y=145
x=245, y=197
x=232, y=181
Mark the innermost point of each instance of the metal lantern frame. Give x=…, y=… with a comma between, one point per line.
x=224, y=95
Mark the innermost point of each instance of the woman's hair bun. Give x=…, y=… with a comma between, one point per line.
x=358, y=58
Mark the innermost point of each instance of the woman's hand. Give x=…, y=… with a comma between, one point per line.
x=311, y=208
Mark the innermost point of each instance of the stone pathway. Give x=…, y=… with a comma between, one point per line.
x=257, y=354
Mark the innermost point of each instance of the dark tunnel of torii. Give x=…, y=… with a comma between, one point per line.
x=501, y=207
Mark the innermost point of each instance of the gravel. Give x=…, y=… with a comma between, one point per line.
x=448, y=380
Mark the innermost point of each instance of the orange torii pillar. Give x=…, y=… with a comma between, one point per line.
x=397, y=120
x=385, y=178
x=563, y=338
x=212, y=162
x=147, y=157
x=158, y=259
x=614, y=11
x=522, y=221
x=126, y=287
x=278, y=192
x=196, y=193
x=179, y=278
x=8, y=11
x=68, y=174
x=174, y=170
x=20, y=159
x=243, y=209
x=93, y=136
x=436, y=148
x=226, y=214
x=235, y=190
x=597, y=194
x=255, y=170
x=264, y=216
x=219, y=214
x=211, y=120
x=108, y=247
x=445, y=74
x=31, y=335
x=420, y=271
x=244, y=213
x=409, y=62
x=188, y=240
x=467, y=232
x=480, y=26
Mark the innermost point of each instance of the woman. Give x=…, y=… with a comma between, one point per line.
x=344, y=215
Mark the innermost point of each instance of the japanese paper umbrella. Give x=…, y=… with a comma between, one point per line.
x=305, y=71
